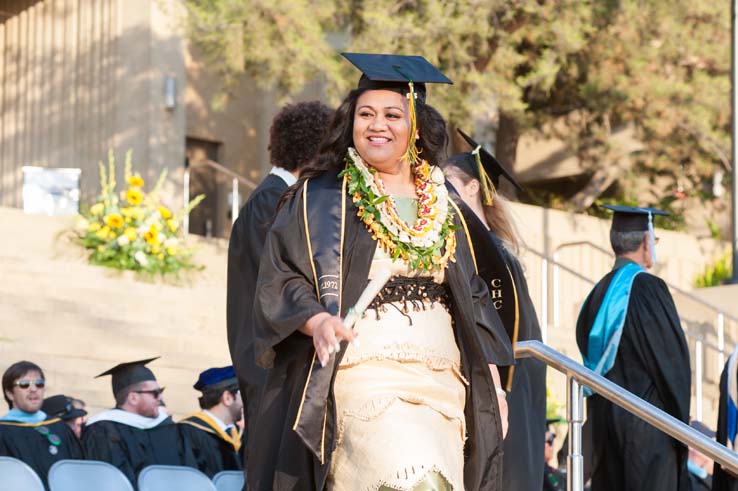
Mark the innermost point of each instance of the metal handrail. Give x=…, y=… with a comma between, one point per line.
x=578, y=375
x=719, y=319
x=236, y=179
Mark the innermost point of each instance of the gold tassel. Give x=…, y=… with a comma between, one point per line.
x=412, y=154
x=488, y=187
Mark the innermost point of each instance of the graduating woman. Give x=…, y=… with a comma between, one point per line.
x=417, y=403
x=475, y=176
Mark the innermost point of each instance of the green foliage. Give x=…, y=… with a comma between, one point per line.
x=591, y=67
x=715, y=273
x=133, y=230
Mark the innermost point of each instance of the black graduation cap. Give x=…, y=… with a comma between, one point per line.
x=632, y=218
x=551, y=421
x=127, y=374
x=60, y=406
x=490, y=164
x=396, y=72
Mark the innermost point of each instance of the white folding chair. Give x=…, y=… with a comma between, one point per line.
x=87, y=475
x=228, y=481
x=173, y=477
x=15, y=475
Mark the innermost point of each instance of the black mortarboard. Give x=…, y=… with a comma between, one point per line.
x=406, y=75
x=490, y=164
x=60, y=406
x=127, y=374
x=395, y=72
x=551, y=421
x=632, y=218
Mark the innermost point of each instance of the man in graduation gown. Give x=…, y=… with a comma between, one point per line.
x=525, y=382
x=211, y=434
x=629, y=331
x=138, y=432
x=26, y=432
x=727, y=423
x=294, y=136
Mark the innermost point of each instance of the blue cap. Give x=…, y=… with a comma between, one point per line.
x=215, y=378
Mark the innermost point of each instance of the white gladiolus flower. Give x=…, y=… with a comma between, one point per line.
x=141, y=258
x=171, y=242
x=123, y=240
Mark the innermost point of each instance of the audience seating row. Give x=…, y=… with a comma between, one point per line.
x=91, y=475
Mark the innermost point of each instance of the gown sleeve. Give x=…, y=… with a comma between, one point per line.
x=285, y=291
x=652, y=311
x=494, y=341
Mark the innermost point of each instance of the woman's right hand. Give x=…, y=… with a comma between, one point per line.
x=327, y=331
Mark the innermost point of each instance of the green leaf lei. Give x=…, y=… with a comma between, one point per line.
x=425, y=259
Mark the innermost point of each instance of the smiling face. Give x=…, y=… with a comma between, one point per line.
x=27, y=399
x=381, y=128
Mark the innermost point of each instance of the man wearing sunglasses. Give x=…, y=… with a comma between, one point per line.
x=26, y=432
x=138, y=432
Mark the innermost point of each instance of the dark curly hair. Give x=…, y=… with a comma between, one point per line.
x=432, y=141
x=296, y=132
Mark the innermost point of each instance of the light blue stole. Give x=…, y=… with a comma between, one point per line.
x=23, y=417
x=604, y=337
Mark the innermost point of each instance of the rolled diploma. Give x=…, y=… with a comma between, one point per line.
x=380, y=279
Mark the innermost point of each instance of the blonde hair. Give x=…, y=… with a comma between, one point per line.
x=497, y=215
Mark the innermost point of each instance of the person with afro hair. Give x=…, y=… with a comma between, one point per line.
x=294, y=138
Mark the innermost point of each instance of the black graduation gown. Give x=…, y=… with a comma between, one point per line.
x=652, y=362
x=212, y=453
x=722, y=480
x=296, y=420
x=526, y=380
x=130, y=449
x=553, y=479
x=24, y=442
x=244, y=250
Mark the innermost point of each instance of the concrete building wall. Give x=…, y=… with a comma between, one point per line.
x=78, y=78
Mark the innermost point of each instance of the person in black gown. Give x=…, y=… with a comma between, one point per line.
x=61, y=406
x=317, y=261
x=211, y=434
x=138, y=432
x=629, y=331
x=727, y=423
x=294, y=136
x=553, y=478
x=475, y=177
x=26, y=432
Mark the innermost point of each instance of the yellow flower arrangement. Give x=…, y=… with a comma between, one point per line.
x=135, y=181
x=133, y=229
x=134, y=196
x=114, y=220
x=165, y=213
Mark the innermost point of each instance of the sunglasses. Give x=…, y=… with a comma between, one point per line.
x=25, y=383
x=550, y=439
x=154, y=392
